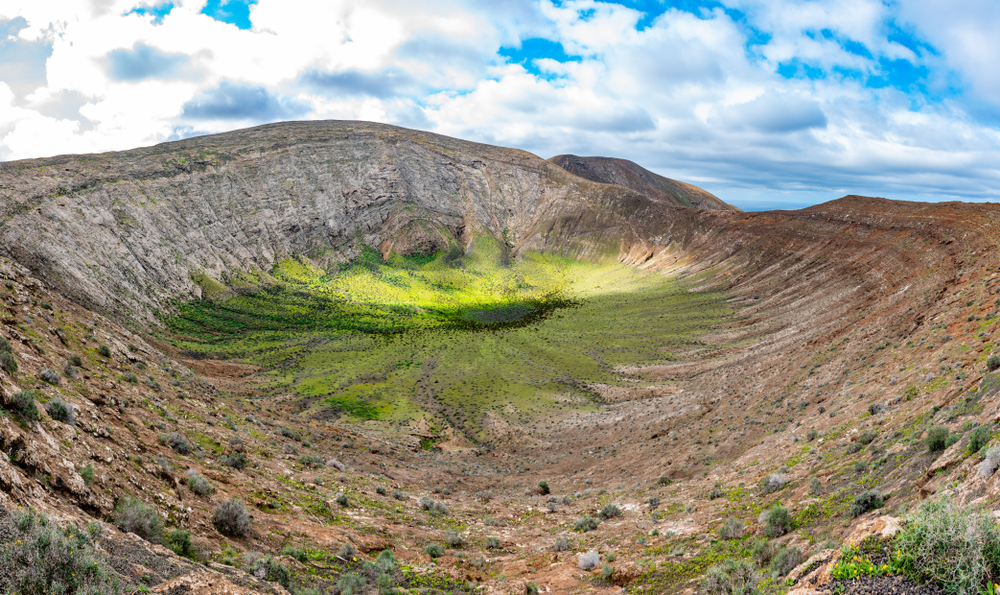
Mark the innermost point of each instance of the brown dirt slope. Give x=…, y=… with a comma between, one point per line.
x=623, y=172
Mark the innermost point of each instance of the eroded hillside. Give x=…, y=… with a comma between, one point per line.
x=400, y=335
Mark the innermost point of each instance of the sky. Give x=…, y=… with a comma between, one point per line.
x=765, y=103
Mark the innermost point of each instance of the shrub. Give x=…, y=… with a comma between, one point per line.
x=562, y=544
x=543, y=487
x=296, y=553
x=716, y=493
x=531, y=589
x=434, y=550
x=290, y=433
x=347, y=551
x=990, y=462
x=949, y=545
x=385, y=562
x=876, y=409
x=589, y=560
x=311, y=460
x=23, y=403
x=179, y=542
x=59, y=410
x=342, y=499
x=74, y=360
x=812, y=435
x=351, y=583
x=664, y=480
x=236, y=460
x=104, y=350
x=132, y=515
x=432, y=506
x=453, y=538
x=231, y=518
x=732, y=577
x=774, y=482
x=865, y=501
x=269, y=569
x=7, y=362
x=153, y=384
x=130, y=378
x=653, y=502
x=777, y=521
x=398, y=495
x=979, y=438
x=763, y=551
x=289, y=449
x=584, y=524
x=49, y=375
x=178, y=443
x=993, y=363
x=492, y=543
x=860, y=466
x=610, y=511
x=87, y=473
x=607, y=572
x=815, y=486
x=731, y=529
x=334, y=463
x=40, y=557
x=199, y=485
x=867, y=437
x=785, y=561
x=380, y=490
x=936, y=439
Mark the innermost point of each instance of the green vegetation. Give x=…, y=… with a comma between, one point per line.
x=469, y=338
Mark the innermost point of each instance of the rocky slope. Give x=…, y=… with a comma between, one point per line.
x=860, y=325
x=623, y=172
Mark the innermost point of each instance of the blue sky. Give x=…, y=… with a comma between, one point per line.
x=766, y=103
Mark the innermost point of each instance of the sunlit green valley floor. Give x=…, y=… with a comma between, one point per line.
x=452, y=341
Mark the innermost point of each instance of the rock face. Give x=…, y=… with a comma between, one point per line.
x=630, y=175
x=123, y=232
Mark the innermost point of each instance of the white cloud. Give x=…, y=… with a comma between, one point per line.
x=696, y=95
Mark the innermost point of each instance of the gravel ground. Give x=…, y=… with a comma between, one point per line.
x=883, y=585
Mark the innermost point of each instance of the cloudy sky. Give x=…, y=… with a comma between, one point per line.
x=766, y=103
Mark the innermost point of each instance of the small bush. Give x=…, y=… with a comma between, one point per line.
x=774, y=482
x=351, y=583
x=59, y=410
x=492, y=543
x=763, y=552
x=876, y=409
x=334, y=463
x=610, y=511
x=179, y=542
x=347, y=551
x=130, y=378
x=607, y=572
x=589, y=560
x=731, y=529
x=199, y=485
x=231, y=518
x=396, y=494
x=531, y=589
x=177, y=442
x=543, y=488
x=936, y=439
x=453, y=538
x=990, y=462
x=385, y=562
x=785, y=561
x=979, y=438
x=584, y=524
x=87, y=473
x=75, y=360
x=434, y=550
x=812, y=435
x=310, y=460
x=732, y=577
x=716, y=493
x=777, y=521
x=380, y=490
x=49, y=375
x=993, y=363
x=664, y=480
x=865, y=501
x=815, y=486
x=562, y=544
x=342, y=500
x=867, y=437
x=269, y=569
x=40, y=557
x=132, y=515
x=236, y=460
x=653, y=502
x=23, y=404
x=104, y=350
x=295, y=553
x=7, y=362
x=432, y=506
x=860, y=466
x=290, y=433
